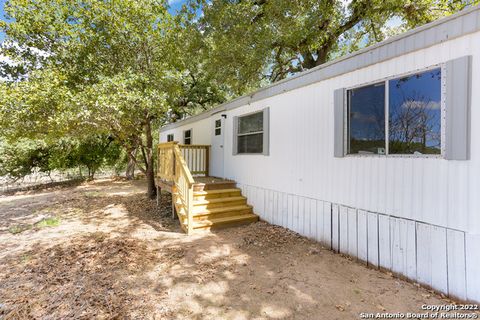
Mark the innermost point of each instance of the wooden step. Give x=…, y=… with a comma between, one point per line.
x=200, y=213
x=214, y=186
x=230, y=209
x=222, y=215
x=211, y=194
x=225, y=222
x=217, y=207
x=219, y=202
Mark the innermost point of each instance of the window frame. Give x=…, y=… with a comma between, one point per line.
x=215, y=127
x=385, y=81
x=170, y=135
x=191, y=136
x=265, y=132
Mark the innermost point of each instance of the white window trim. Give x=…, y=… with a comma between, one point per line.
x=387, y=109
x=172, y=135
x=265, y=132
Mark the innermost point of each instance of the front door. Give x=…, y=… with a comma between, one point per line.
x=216, y=159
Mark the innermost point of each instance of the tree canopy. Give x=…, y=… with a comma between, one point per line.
x=263, y=41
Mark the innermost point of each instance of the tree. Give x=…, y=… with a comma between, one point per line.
x=104, y=67
x=26, y=156
x=119, y=68
x=94, y=152
x=261, y=41
x=23, y=157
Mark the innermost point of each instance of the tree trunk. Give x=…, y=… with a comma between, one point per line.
x=90, y=173
x=152, y=190
x=130, y=173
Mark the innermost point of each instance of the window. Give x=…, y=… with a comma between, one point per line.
x=415, y=114
x=170, y=137
x=218, y=127
x=367, y=119
x=251, y=133
x=187, y=136
x=411, y=105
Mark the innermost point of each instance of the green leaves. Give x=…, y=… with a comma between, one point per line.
x=103, y=65
x=22, y=157
x=257, y=41
x=25, y=156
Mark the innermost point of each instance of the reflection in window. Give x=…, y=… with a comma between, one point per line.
x=366, y=108
x=250, y=133
x=415, y=114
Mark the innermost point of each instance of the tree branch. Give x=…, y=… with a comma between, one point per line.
x=144, y=171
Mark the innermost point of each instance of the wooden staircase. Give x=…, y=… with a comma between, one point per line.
x=216, y=208
x=202, y=203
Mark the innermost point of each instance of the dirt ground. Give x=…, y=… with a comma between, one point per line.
x=112, y=254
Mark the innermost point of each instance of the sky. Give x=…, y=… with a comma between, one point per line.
x=175, y=5
x=2, y=17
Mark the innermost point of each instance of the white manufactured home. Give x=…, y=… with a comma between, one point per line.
x=376, y=154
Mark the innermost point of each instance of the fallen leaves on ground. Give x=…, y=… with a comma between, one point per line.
x=83, y=279
x=267, y=236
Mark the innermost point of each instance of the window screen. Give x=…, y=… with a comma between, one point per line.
x=250, y=133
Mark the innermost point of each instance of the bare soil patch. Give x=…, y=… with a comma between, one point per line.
x=115, y=255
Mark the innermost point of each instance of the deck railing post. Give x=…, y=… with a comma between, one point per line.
x=190, y=210
x=207, y=159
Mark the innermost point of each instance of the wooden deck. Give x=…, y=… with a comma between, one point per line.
x=200, y=184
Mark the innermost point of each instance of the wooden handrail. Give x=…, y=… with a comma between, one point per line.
x=184, y=187
x=183, y=165
x=193, y=146
x=166, y=144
